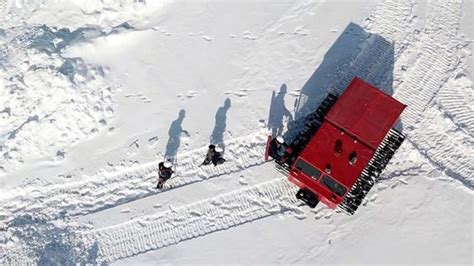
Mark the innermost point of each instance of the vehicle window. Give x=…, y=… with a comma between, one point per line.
x=308, y=169
x=335, y=187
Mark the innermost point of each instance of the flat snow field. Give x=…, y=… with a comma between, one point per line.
x=93, y=94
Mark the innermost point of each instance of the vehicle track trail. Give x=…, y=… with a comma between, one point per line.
x=455, y=101
x=194, y=220
x=445, y=146
x=179, y=224
x=110, y=189
x=436, y=58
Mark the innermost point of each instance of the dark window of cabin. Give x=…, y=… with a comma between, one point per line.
x=332, y=185
x=308, y=169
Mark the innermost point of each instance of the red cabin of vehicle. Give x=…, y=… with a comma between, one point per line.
x=360, y=119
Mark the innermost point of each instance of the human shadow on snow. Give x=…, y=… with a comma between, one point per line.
x=217, y=136
x=174, y=134
x=278, y=112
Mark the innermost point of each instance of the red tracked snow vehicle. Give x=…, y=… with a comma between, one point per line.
x=343, y=147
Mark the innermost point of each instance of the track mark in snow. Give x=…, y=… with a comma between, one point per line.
x=206, y=38
x=375, y=60
x=243, y=181
x=220, y=213
x=434, y=61
x=239, y=93
x=403, y=181
x=189, y=95
x=191, y=221
x=106, y=190
x=455, y=100
x=248, y=36
x=301, y=31
x=444, y=146
x=153, y=141
x=376, y=55
x=447, y=147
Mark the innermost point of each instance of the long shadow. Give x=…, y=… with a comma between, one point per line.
x=278, y=111
x=356, y=52
x=174, y=134
x=217, y=136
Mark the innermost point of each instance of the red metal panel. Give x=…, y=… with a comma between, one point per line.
x=320, y=152
x=365, y=112
x=267, y=147
x=358, y=121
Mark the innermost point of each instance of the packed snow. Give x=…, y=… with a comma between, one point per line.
x=94, y=94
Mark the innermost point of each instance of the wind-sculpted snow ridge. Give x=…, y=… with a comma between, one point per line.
x=183, y=223
x=110, y=189
x=48, y=102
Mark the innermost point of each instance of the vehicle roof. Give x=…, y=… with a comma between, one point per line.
x=365, y=112
x=320, y=151
x=360, y=119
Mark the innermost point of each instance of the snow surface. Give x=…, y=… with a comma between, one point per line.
x=93, y=94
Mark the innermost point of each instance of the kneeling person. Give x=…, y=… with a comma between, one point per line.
x=214, y=156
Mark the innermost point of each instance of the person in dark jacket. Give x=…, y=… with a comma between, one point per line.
x=214, y=156
x=164, y=173
x=278, y=149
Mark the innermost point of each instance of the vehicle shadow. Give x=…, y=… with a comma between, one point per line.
x=278, y=112
x=356, y=52
x=174, y=134
x=217, y=136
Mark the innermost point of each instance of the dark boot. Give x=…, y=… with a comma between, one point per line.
x=160, y=184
